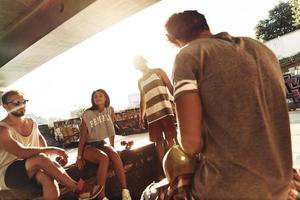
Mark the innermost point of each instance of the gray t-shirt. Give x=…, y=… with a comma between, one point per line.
x=247, y=142
x=99, y=124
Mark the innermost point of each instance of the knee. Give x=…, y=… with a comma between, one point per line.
x=39, y=160
x=43, y=159
x=113, y=154
x=103, y=158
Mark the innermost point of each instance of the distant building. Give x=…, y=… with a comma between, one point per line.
x=287, y=50
x=134, y=100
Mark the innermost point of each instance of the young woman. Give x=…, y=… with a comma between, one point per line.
x=97, y=124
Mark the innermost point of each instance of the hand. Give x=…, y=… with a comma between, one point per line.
x=142, y=122
x=60, y=153
x=61, y=161
x=80, y=164
x=293, y=194
x=296, y=175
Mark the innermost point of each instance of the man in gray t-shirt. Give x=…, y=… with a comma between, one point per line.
x=231, y=106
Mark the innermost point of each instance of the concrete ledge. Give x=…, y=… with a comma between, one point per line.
x=140, y=166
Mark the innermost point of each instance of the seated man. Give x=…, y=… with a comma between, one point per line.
x=241, y=128
x=24, y=164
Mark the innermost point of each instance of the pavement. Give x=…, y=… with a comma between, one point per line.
x=295, y=132
x=141, y=139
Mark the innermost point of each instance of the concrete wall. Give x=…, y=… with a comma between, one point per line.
x=286, y=45
x=1, y=92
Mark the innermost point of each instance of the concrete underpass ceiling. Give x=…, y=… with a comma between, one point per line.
x=34, y=31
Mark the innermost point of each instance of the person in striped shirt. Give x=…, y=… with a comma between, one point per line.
x=155, y=104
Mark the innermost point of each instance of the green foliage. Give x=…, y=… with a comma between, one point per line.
x=77, y=112
x=295, y=6
x=280, y=22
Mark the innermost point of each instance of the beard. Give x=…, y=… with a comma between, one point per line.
x=18, y=113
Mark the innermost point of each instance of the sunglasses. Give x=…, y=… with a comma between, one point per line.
x=18, y=103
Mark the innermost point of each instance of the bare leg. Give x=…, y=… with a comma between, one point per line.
x=117, y=164
x=49, y=185
x=36, y=163
x=170, y=142
x=97, y=156
x=160, y=150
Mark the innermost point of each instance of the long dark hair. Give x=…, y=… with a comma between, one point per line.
x=107, y=102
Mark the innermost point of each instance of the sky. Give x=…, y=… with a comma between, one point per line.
x=66, y=82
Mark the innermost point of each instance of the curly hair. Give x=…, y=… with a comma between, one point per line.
x=185, y=26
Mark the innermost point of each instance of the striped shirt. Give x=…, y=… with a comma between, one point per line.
x=156, y=96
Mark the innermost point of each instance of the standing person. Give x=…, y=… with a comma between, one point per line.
x=231, y=106
x=156, y=105
x=24, y=163
x=98, y=124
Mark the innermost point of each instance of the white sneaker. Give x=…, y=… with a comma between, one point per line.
x=126, y=194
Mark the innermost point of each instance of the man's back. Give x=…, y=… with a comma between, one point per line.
x=247, y=148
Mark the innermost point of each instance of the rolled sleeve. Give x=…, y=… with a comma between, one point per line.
x=185, y=74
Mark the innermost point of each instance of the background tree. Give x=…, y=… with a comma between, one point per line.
x=77, y=112
x=295, y=6
x=280, y=22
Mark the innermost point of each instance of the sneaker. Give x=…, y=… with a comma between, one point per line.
x=126, y=194
x=88, y=191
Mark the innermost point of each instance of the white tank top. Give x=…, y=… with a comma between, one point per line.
x=7, y=158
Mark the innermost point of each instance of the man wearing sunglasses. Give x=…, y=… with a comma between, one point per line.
x=24, y=164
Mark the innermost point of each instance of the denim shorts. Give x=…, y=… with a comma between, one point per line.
x=97, y=144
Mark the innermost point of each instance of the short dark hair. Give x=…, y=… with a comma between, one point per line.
x=185, y=26
x=8, y=94
x=107, y=102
